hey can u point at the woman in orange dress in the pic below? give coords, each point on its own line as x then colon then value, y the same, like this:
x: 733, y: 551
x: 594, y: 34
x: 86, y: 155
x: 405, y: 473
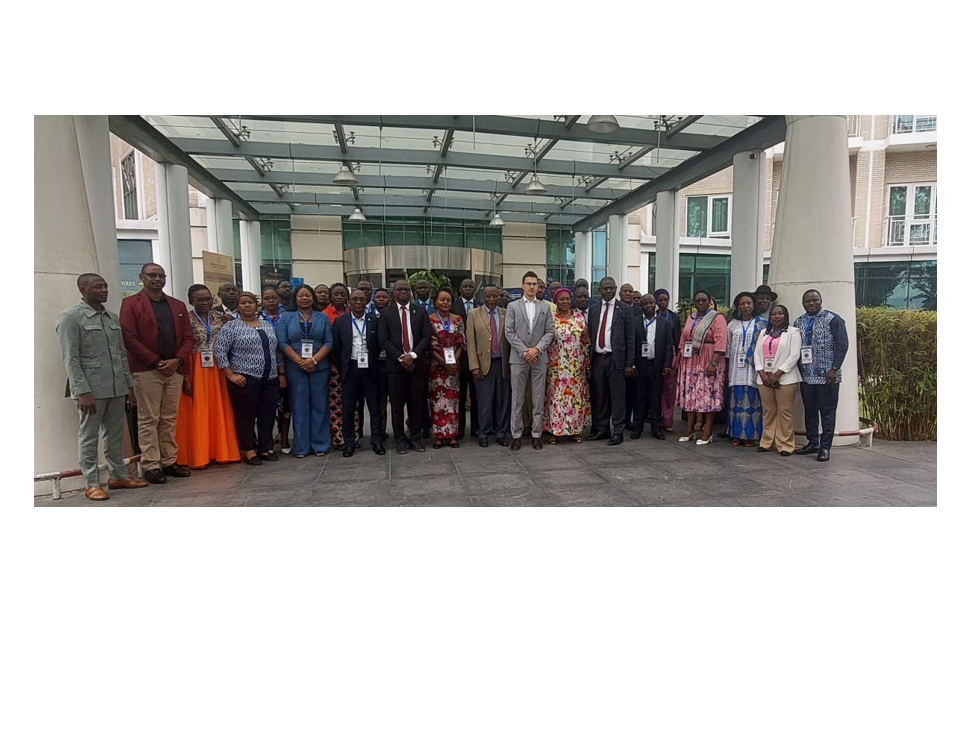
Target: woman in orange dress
x: 205, y: 421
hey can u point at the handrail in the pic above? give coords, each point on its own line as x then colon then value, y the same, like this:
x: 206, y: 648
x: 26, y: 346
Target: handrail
x: 57, y: 476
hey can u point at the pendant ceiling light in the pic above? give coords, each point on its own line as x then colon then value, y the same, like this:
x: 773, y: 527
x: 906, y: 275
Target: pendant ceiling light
x: 497, y: 221
x: 602, y: 124
x: 345, y: 177
x: 356, y: 216
x: 535, y: 187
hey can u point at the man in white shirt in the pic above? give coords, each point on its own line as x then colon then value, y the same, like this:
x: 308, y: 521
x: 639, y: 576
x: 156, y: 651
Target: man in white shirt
x: 228, y: 294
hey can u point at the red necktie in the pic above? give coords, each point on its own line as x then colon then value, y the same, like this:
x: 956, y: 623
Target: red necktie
x: 494, y: 340
x: 405, y: 343
x: 604, y: 321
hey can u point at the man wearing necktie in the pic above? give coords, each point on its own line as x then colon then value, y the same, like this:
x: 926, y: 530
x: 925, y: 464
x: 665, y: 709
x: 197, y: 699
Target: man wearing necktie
x: 612, y: 360
x: 463, y: 305
x: 488, y: 357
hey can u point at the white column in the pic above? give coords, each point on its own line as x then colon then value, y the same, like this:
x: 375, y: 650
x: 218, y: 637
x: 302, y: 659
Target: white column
x: 220, y: 231
x: 617, y: 246
x: 64, y: 247
x: 96, y: 160
x: 250, y: 256
x: 813, y: 239
x: 667, y: 245
x: 173, y: 211
x: 747, y: 222
x: 582, y: 256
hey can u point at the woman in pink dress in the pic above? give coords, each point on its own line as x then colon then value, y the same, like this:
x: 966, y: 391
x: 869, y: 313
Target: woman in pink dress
x: 567, y: 407
x: 702, y: 347
x: 447, y: 343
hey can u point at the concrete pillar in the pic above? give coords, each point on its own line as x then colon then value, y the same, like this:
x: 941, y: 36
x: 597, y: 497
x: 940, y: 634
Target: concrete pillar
x: 250, y: 256
x: 617, y: 248
x: 64, y: 247
x: 582, y: 256
x: 667, y: 245
x: 220, y: 231
x: 96, y: 159
x: 813, y: 239
x: 747, y: 229
x: 173, y: 212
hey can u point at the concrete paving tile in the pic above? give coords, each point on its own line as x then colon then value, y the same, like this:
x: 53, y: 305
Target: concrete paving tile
x: 530, y: 497
x: 580, y: 477
x: 367, y: 494
x: 435, y: 501
x: 657, y: 494
x: 499, y: 462
x: 627, y: 473
x: 477, y: 485
x: 410, y: 487
x: 734, y: 487
x: 593, y: 496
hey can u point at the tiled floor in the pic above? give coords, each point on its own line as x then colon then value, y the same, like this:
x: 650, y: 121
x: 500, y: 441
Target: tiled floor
x: 643, y: 472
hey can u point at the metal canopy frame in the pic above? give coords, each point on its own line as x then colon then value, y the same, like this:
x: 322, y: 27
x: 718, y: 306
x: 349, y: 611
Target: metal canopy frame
x: 468, y: 168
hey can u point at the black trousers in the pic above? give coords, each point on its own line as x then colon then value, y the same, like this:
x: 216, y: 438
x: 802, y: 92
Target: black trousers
x: 631, y: 399
x: 649, y: 383
x: 495, y: 402
x: 381, y: 380
x: 360, y: 386
x: 466, y: 388
x: 410, y: 389
x: 255, y: 402
x: 821, y: 402
x: 608, y: 396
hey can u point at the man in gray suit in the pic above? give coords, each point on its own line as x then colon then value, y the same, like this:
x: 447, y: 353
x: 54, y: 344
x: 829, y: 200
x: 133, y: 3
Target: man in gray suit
x: 529, y: 328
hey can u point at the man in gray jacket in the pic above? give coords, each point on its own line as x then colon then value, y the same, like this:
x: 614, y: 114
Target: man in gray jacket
x: 99, y: 379
x: 529, y: 327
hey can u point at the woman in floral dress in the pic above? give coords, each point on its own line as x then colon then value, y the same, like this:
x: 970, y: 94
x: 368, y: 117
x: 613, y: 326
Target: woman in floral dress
x: 702, y: 368
x: 447, y: 343
x: 567, y: 407
x: 339, y: 296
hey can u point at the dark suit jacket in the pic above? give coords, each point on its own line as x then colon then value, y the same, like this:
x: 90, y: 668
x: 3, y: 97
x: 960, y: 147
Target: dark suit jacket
x: 389, y: 334
x: 622, y: 333
x: 665, y: 343
x: 458, y: 307
x: 141, y: 336
x: 343, y: 343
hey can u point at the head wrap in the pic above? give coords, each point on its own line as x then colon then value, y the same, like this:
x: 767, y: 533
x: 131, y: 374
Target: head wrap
x: 561, y: 290
x: 660, y: 291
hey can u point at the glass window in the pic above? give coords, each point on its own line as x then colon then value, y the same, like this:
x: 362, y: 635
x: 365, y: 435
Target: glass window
x: 708, y: 213
x: 906, y: 123
x: 560, y: 254
x: 696, y: 217
x: 132, y: 256
x: 276, y: 241
x: 915, y: 228
x: 130, y: 201
x: 704, y: 271
x: 599, y: 256
x: 718, y: 220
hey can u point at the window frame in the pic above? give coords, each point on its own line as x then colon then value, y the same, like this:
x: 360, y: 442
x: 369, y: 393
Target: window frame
x: 910, y: 219
x: 710, y: 233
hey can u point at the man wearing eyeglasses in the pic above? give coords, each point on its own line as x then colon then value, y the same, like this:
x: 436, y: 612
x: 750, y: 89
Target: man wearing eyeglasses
x: 159, y: 340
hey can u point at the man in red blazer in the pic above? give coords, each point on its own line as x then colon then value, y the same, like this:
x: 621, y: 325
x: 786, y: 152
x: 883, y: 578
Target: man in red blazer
x: 159, y: 342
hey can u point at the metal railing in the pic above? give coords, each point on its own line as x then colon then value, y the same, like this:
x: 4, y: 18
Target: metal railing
x: 911, y: 230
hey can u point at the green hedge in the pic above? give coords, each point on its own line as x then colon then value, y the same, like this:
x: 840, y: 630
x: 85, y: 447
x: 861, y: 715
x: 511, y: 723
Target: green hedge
x: 897, y: 356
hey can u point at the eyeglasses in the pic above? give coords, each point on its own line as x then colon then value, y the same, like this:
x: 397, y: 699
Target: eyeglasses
x: 154, y: 276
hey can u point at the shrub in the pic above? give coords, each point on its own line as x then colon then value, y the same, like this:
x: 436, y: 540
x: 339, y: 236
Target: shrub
x: 897, y: 357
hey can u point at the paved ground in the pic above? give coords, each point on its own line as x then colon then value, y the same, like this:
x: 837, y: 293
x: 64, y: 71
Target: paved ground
x: 643, y: 473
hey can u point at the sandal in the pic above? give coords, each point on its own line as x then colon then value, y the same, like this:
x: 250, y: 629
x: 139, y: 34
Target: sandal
x: 750, y: 444
x: 320, y: 453
x: 576, y: 438
x: 552, y: 440
x: 437, y: 445
x: 736, y: 442
x: 453, y: 444
x: 300, y: 456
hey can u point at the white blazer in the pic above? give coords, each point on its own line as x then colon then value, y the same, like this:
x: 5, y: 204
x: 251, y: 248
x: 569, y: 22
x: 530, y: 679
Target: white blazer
x: 786, y: 358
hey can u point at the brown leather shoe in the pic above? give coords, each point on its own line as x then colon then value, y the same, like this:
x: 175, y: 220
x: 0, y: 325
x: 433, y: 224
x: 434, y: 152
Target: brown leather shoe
x: 127, y: 483
x: 96, y: 494
x: 516, y: 445
x: 537, y: 444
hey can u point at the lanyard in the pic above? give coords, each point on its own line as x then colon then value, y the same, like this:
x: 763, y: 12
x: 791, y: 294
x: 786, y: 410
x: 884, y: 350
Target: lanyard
x: 305, y: 325
x: 361, y: 329
x: 770, y: 340
x: 664, y: 316
x: 448, y: 325
x: 649, y: 324
x: 273, y: 320
x: 808, y: 329
x: 205, y: 324
x: 743, y: 333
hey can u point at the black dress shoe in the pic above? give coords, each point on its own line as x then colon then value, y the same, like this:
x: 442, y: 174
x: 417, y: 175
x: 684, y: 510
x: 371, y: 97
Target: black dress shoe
x: 502, y: 441
x: 270, y: 456
x: 537, y: 444
x: 785, y: 453
x: 403, y: 447
x: 417, y: 446
x: 379, y: 449
x: 484, y: 442
x: 347, y: 453
x: 516, y: 445
x: 154, y: 476
x: 823, y: 455
x: 764, y: 451
x: 596, y: 437
x: 659, y: 435
x: 616, y: 439
x: 174, y: 470
x: 809, y: 449
x: 636, y: 435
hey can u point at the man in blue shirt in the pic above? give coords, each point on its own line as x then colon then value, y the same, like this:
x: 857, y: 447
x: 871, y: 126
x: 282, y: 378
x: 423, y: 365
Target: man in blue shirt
x: 422, y: 293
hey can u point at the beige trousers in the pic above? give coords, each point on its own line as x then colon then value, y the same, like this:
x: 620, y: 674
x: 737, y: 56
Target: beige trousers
x: 157, y: 402
x: 779, y: 417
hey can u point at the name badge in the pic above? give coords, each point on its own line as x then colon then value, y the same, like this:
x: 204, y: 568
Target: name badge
x: 646, y: 351
x: 305, y: 349
x: 806, y: 356
x: 449, y: 355
x: 206, y: 359
x: 769, y: 364
x: 741, y: 361
x: 688, y: 349
x: 363, y: 360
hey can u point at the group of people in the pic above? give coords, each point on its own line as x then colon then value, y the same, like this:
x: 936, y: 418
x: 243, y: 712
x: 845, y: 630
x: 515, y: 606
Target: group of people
x: 211, y: 383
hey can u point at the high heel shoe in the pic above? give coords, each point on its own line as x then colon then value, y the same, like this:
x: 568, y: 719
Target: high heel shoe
x: 683, y: 439
x: 701, y: 442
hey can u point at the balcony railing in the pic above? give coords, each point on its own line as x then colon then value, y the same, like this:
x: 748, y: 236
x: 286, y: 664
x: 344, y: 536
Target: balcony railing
x: 853, y: 125
x: 909, y: 123
x: 911, y: 230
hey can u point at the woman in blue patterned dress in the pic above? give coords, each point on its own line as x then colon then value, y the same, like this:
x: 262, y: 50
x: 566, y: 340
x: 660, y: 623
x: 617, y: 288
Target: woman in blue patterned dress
x: 744, y: 418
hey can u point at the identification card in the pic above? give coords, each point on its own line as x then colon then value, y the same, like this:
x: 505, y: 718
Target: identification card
x: 769, y: 364
x: 306, y: 349
x: 363, y: 360
x: 741, y: 361
x: 449, y: 355
x: 206, y: 358
x: 688, y: 349
x: 806, y: 356
x: 646, y: 351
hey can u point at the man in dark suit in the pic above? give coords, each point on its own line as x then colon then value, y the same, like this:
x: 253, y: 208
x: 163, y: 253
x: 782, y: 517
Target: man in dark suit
x: 405, y: 334
x: 464, y: 304
x: 355, y: 340
x: 612, y: 360
x: 654, y: 346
